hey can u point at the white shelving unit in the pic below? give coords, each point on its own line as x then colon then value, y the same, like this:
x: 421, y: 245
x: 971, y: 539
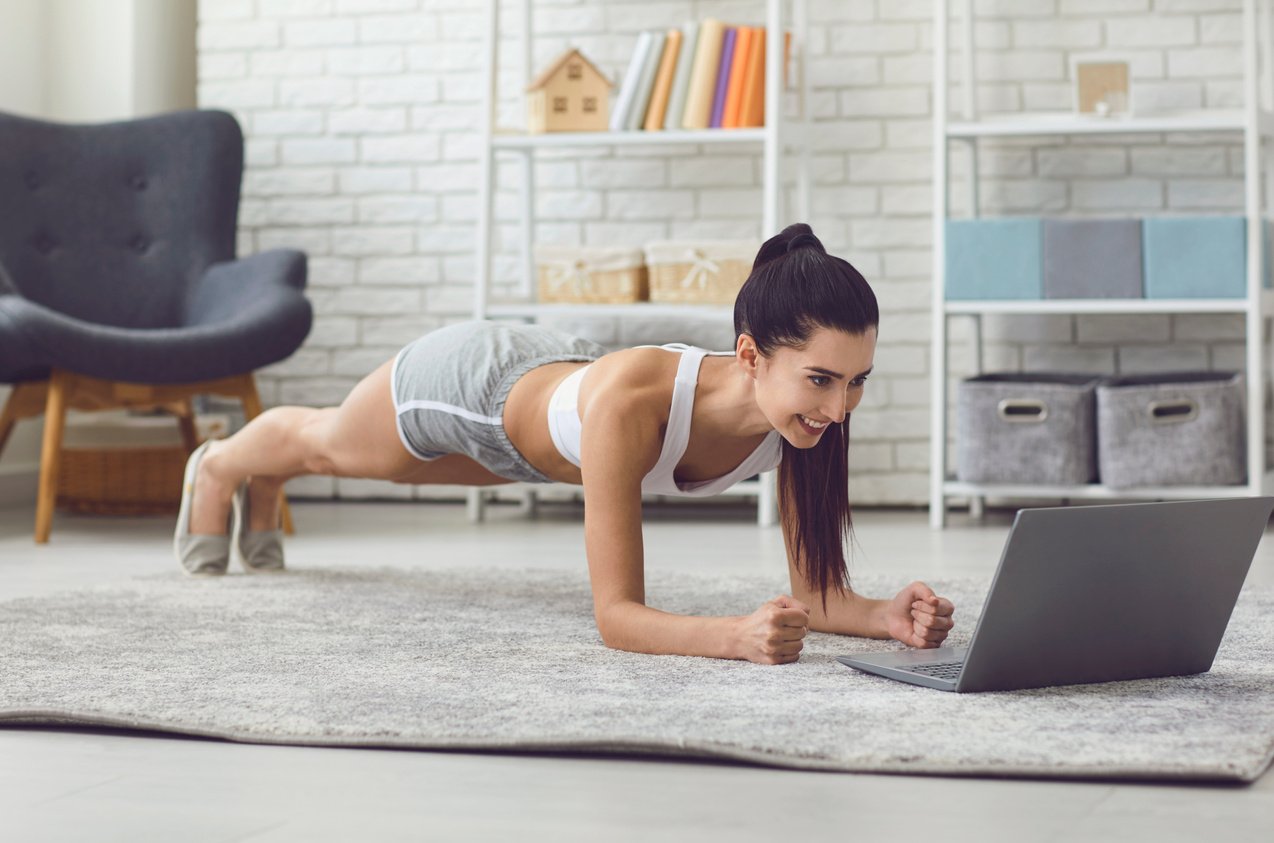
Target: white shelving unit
x: 772, y: 139
x: 1254, y: 122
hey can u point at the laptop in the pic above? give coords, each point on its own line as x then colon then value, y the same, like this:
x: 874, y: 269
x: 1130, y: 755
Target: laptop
x: 1098, y: 594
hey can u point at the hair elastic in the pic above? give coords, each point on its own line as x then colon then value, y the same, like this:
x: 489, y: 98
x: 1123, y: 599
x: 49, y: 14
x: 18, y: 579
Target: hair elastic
x: 804, y: 239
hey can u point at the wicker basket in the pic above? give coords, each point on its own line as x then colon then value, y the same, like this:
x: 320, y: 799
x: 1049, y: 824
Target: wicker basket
x: 702, y: 272
x: 121, y: 481
x: 116, y: 462
x: 590, y: 274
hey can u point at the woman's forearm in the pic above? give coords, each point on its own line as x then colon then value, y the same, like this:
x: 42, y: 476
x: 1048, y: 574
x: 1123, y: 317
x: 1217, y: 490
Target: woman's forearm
x: 641, y: 629
x: 849, y: 614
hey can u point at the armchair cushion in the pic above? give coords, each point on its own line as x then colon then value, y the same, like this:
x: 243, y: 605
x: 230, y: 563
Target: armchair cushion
x: 241, y: 315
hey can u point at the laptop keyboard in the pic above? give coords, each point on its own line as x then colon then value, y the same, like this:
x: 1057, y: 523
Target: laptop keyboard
x: 941, y: 670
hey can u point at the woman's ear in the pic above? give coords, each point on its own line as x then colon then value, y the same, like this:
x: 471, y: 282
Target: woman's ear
x: 747, y: 355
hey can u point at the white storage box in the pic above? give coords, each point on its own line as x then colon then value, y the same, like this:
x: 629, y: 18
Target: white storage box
x: 699, y: 271
x: 591, y: 274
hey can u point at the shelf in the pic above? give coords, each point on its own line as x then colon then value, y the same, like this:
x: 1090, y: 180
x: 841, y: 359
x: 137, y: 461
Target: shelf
x: 640, y: 309
x: 1065, y: 123
x: 1248, y: 124
x: 1096, y: 491
x: 559, y: 140
x: 1070, y: 306
x: 771, y: 142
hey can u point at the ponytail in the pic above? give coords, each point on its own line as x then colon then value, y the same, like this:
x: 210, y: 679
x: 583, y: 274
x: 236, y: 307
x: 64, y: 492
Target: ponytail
x: 796, y: 287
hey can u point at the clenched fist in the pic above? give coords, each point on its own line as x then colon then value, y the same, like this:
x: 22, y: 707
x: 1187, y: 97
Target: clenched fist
x: 774, y: 633
x: 919, y: 618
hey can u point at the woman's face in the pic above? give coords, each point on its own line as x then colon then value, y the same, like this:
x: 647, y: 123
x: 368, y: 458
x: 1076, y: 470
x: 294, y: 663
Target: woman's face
x: 803, y: 391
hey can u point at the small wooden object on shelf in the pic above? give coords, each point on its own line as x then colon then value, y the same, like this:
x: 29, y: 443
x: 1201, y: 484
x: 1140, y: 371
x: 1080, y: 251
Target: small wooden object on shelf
x: 1102, y: 88
x: 571, y: 95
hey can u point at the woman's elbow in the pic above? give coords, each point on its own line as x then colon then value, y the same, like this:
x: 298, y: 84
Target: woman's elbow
x: 611, y: 625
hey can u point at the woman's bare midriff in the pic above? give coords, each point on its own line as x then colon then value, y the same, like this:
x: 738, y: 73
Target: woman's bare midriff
x: 526, y: 420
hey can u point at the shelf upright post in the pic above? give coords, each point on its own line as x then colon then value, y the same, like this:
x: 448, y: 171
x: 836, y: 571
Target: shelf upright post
x: 475, y: 498
x: 1267, y: 50
x: 486, y: 166
x: 527, y: 221
x: 970, y: 110
x: 773, y: 118
x: 800, y: 33
x: 938, y: 347
x: 1252, y: 202
x: 767, y: 500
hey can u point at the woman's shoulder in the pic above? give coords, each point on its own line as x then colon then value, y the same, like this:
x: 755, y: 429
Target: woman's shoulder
x: 640, y: 377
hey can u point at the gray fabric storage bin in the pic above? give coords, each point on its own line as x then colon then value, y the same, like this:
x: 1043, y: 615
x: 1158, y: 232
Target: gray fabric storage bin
x: 1180, y: 428
x: 1092, y: 259
x: 1035, y: 427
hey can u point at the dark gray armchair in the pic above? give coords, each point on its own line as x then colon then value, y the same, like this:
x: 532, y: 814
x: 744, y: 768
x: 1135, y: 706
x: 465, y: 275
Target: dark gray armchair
x: 119, y: 284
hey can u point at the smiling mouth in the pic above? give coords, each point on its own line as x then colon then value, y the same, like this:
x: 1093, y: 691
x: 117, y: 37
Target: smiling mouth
x: 809, y: 428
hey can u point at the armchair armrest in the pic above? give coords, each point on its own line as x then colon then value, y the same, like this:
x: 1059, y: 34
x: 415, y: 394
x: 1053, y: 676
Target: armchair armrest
x: 227, y: 290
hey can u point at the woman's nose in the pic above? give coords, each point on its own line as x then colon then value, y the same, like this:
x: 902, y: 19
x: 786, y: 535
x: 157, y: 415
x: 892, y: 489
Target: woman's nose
x: 839, y: 409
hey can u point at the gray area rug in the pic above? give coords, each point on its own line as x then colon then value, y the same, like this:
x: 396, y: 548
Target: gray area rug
x: 490, y: 659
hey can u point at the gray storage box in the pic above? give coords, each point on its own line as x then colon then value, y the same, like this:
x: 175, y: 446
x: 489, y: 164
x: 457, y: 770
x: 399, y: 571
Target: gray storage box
x: 1092, y: 259
x: 1182, y: 428
x: 1035, y: 428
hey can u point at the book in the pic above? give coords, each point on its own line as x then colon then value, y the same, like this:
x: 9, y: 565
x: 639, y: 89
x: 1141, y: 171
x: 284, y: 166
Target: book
x: 703, y: 78
x: 752, y: 112
x: 738, y: 78
x: 628, y: 88
x: 646, y: 81
x: 723, y: 76
x: 681, y: 80
x: 658, y: 108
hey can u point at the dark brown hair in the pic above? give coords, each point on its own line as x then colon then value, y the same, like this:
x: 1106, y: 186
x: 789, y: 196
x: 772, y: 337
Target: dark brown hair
x: 796, y: 287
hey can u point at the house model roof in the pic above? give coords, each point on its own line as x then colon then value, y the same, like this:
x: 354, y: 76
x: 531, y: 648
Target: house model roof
x: 557, y: 65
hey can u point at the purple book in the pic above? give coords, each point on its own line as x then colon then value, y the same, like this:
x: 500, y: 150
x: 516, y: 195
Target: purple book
x: 723, y: 77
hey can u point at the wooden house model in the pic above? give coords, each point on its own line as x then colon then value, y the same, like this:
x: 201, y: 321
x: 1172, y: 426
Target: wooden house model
x: 571, y: 95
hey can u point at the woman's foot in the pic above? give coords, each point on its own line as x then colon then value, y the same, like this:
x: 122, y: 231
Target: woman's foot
x: 204, y: 553
x: 210, y: 508
x: 263, y: 505
x: 258, y: 540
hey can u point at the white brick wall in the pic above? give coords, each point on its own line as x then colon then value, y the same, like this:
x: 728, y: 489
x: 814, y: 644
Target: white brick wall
x: 361, y: 118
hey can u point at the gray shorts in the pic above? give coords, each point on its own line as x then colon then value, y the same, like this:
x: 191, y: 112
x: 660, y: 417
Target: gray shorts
x: 449, y: 389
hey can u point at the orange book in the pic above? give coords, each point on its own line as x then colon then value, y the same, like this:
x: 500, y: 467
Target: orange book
x: 738, y: 75
x: 663, y: 82
x: 752, y: 112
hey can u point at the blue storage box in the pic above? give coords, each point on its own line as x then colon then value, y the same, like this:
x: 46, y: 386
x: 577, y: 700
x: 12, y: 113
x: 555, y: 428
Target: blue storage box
x: 995, y: 259
x: 1195, y: 257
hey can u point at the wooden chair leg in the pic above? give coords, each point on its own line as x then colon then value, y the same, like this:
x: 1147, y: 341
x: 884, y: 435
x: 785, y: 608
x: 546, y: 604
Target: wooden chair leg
x: 186, y: 421
x: 60, y: 385
x: 26, y: 401
x: 251, y: 401
x: 8, y: 420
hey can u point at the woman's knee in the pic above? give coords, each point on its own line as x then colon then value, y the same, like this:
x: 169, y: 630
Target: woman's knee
x: 319, y: 445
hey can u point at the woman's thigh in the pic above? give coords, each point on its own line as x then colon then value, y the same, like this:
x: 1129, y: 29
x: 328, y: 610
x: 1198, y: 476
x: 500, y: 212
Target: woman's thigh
x: 360, y: 439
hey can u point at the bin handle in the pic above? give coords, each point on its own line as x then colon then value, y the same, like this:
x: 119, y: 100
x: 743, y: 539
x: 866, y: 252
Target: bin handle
x: 1022, y: 410
x: 1173, y: 411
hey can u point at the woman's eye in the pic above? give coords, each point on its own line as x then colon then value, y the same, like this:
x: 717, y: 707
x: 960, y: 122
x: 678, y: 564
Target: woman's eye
x: 816, y: 378
x: 859, y: 381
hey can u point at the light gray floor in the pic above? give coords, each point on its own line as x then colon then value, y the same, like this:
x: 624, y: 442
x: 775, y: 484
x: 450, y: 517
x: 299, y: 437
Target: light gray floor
x: 99, y: 785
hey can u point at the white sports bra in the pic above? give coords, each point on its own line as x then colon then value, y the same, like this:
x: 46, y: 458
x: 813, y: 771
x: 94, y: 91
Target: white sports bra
x: 564, y: 427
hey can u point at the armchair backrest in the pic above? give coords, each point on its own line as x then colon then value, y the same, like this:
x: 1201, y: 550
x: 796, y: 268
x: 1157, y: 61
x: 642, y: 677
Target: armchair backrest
x: 112, y: 223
